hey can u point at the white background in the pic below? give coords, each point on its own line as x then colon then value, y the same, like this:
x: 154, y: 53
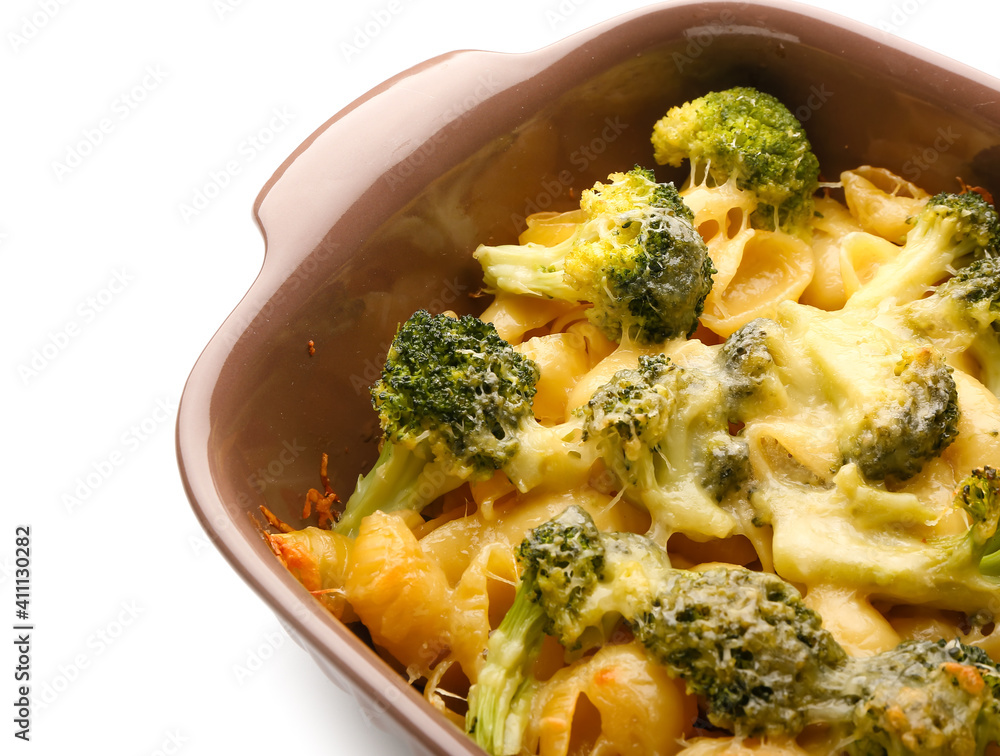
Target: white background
x: 115, y: 116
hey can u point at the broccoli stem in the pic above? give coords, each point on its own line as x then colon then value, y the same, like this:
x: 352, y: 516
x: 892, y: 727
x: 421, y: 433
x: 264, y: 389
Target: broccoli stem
x: 400, y: 479
x: 499, y: 702
x: 929, y: 251
x: 990, y: 563
x: 532, y: 269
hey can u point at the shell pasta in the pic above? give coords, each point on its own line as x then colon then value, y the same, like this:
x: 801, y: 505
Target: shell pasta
x: 810, y: 418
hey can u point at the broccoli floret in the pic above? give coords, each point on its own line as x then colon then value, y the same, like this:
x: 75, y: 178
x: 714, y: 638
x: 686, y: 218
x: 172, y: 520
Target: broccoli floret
x: 962, y: 316
x: 923, y: 697
x: 894, y: 403
x: 749, y: 360
x: 565, y: 564
x: 749, y: 137
x: 636, y: 258
x: 560, y: 561
x: 454, y: 402
x: 949, y: 229
x: 763, y: 664
x: 746, y: 643
x: 979, y: 496
x: 914, y: 420
x: 663, y: 431
x: 975, y: 291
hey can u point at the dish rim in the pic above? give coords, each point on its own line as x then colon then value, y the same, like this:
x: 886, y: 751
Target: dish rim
x: 333, y: 645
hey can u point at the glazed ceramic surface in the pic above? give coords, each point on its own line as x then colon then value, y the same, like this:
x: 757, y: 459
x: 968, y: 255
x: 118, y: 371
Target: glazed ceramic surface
x: 376, y: 215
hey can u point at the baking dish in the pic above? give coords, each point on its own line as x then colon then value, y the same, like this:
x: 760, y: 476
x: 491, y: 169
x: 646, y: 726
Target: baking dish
x: 376, y: 214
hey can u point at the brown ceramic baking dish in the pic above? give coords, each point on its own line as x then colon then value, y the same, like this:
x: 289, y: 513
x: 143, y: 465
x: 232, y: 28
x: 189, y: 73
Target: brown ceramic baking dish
x: 376, y: 214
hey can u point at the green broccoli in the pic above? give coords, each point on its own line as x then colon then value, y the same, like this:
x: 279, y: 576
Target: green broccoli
x: 962, y: 316
x: 454, y: 402
x: 893, y: 405
x: 564, y: 562
x: 745, y: 643
x: 749, y: 137
x: 762, y: 664
x: 923, y: 697
x: 663, y: 430
x: 979, y: 496
x: 973, y: 292
x: 759, y: 660
x: 636, y: 258
x: 751, y: 357
x: 949, y: 230
x: 913, y: 418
